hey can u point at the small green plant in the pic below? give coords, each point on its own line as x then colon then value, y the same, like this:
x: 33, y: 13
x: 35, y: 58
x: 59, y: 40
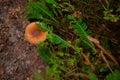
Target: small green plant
x: 67, y: 59
x: 109, y: 16
x: 42, y: 11
x: 113, y: 76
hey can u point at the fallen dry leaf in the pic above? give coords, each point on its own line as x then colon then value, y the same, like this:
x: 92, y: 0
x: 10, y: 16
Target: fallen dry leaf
x: 93, y: 40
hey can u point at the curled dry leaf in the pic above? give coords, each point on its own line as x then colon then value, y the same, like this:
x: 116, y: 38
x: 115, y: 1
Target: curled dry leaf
x: 77, y: 14
x: 93, y: 40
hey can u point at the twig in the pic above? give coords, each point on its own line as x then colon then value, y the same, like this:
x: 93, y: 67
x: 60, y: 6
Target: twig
x: 96, y: 42
x: 107, y: 2
x: 106, y: 61
x: 108, y: 54
x: 103, y: 5
x: 88, y: 61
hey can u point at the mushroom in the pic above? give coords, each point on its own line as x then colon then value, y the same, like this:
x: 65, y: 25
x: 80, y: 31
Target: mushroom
x: 34, y: 35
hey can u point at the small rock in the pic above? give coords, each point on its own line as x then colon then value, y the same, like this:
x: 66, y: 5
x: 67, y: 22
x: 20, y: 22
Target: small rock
x: 13, y: 39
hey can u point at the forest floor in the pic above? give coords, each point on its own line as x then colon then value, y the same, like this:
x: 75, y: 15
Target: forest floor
x: 18, y: 59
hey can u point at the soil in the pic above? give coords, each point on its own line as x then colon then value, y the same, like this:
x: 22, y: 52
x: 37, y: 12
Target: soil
x: 19, y: 59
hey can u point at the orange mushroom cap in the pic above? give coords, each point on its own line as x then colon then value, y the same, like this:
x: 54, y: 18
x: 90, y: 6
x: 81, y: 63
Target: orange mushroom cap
x: 34, y: 35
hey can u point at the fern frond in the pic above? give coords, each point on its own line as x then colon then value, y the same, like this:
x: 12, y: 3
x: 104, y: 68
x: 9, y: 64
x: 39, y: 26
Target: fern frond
x: 40, y: 10
x: 80, y: 27
x: 53, y: 38
x: 44, y: 27
x: 51, y: 2
x: 33, y: 14
x: 44, y: 53
x: 40, y: 7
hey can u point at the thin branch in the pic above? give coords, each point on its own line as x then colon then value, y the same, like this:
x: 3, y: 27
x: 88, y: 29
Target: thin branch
x: 104, y: 58
x: 96, y: 42
x: 103, y: 5
x: 107, y: 2
x: 108, y: 54
x: 88, y: 61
